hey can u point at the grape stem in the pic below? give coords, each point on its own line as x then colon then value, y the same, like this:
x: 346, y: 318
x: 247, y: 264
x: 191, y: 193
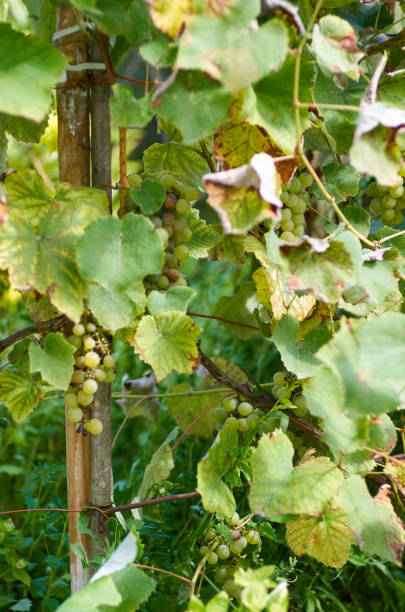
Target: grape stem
x: 162, y: 571
x: 51, y: 325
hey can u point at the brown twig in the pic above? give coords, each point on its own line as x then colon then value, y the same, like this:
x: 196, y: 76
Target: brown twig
x: 195, y: 314
x: 162, y: 571
x: 44, y: 326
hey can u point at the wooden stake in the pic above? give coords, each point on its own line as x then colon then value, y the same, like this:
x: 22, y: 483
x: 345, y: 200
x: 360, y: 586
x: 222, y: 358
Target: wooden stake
x: 74, y: 167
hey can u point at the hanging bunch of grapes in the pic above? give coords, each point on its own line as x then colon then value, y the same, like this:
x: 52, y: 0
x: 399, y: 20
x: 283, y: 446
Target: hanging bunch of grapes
x: 94, y: 364
x: 296, y: 199
x: 171, y: 225
x: 389, y: 202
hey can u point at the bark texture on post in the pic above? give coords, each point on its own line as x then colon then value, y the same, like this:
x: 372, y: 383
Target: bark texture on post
x: 74, y: 167
x: 101, y: 475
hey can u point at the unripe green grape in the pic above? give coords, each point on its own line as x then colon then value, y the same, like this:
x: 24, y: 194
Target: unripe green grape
x: 294, y: 185
x: 306, y: 180
x: 232, y: 588
x: 219, y: 413
x: 75, y: 341
x: 84, y: 398
x: 252, y: 420
x: 77, y: 377
x: 396, y: 192
x: 74, y: 415
x: 238, y: 546
x: 79, y: 361
x: 245, y: 408
x: 372, y: 189
x: 242, y: 425
x: 94, y: 426
x: 286, y: 214
x: 89, y: 342
x: 381, y: 188
x: 91, y: 327
x: 281, y: 392
x: 230, y: 403
x: 181, y: 252
x: 109, y: 377
x: 300, y: 401
x: 163, y: 235
x: 171, y: 260
x: 90, y: 386
x: 252, y: 536
x: 109, y: 361
x: 285, y: 197
x: 91, y: 359
x: 388, y: 202
x: 388, y: 215
x: 279, y: 378
x: 376, y: 205
x: 298, y: 219
x: 179, y: 225
x: 134, y: 180
x: 181, y: 282
x: 100, y: 374
x: 232, y: 422
x: 287, y: 237
x: 187, y: 234
x: 182, y: 206
x: 223, y: 551
x: 177, y: 238
x: 191, y: 194
x: 163, y: 282
x: 210, y: 533
x: 299, y: 230
x: 287, y: 226
x: 398, y: 218
x: 157, y: 221
x: 221, y: 575
x: 234, y: 519
x: 204, y: 550
x: 300, y: 206
x: 78, y: 329
x: 168, y: 181
x: 71, y: 400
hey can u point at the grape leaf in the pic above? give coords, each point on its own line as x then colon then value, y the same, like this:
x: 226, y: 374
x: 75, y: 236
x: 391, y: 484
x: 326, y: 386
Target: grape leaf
x: 341, y: 180
x: 278, y: 488
x: 204, y: 237
x: 269, y: 104
x: 255, y: 584
x: 170, y: 16
x: 128, y: 111
x: 24, y: 129
x: 193, y: 90
x: 167, y: 342
x: 215, y: 495
x: 215, y: 45
x: 149, y: 197
x: 334, y: 43
x: 27, y: 74
x: 55, y: 361
x: 118, y: 253
x: 20, y: 392
x: 115, y: 310
x: 376, y: 527
x: 185, y: 409
x: 239, y: 308
x: 370, y: 361
x: 323, y: 270
x: 183, y: 162
x: 175, y: 298
x: 159, y: 467
x: 327, y: 537
x: 125, y: 590
x: 298, y: 357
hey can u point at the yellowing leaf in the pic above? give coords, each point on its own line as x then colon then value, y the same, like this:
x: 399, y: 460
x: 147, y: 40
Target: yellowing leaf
x: 170, y: 15
x: 327, y: 538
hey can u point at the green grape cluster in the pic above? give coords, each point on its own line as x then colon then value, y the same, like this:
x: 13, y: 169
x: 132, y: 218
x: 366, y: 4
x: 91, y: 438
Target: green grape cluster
x: 295, y: 198
x: 171, y: 225
x: 93, y: 364
x: 389, y: 202
x: 225, y: 555
x: 238, y: 415
x: 281, y: 388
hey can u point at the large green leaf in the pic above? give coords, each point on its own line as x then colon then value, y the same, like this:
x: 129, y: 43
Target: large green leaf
x: 20, y: 392
x: 334, y: 44
x: 215, y: 495
x: 255, y: 585
x: 326, y: 537
x: 278, y: 488
x: 55, y: 361
x: 115, y: 310
x: 298, y: 357
x: 341, y: 180
x: 158, y: 468
x: 27, y: 74
x: 185, y: 409
x: 194, y: 91
x: 124, y: 590
x: 370, y: 362
x: 270, y: 104
x: 149, y: 197
x: 204, y: 237
x: 167, y: 342
x: 374, y: 524
x: 240, y: 308
x: 118, y: 253
x: 323, y: 269
x: 183, y: 162
x: 175, y: 298
x: 216, y: 45
x: 128, y: 111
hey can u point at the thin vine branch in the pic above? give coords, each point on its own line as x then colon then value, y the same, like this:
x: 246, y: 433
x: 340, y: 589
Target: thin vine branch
x: 195, y: 314
x: 162, y: 571
x: 45, y: 326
